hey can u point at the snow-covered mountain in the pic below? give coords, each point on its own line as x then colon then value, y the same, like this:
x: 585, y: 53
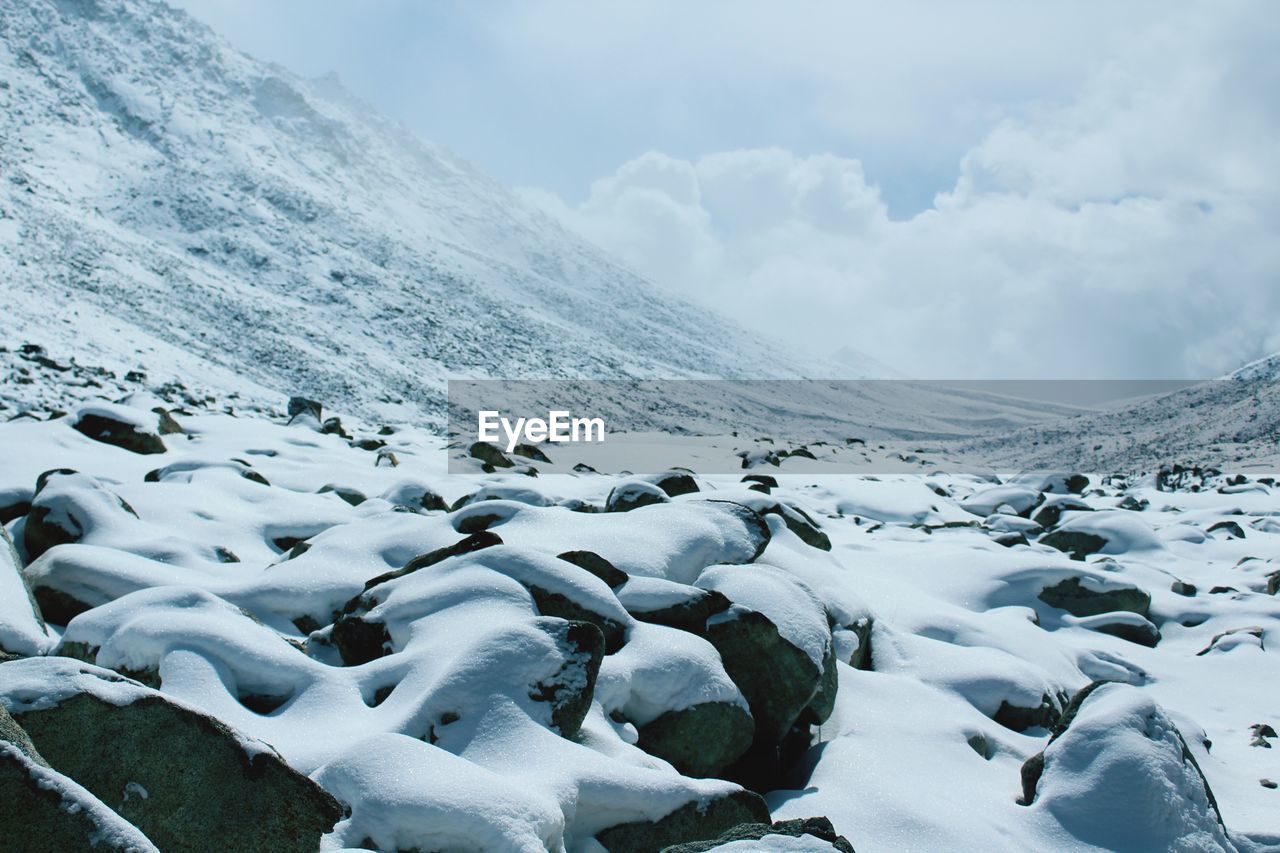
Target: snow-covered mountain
x: 171, y: 203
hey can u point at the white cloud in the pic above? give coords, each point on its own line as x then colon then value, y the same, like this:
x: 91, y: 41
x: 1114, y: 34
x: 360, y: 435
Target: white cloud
x: 1129, y: 230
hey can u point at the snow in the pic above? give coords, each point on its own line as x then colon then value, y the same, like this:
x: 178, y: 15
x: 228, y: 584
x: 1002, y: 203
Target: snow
x: 1118, y: 779
x: 21, y: 631
x: 221, y: 223
x: 405, y: 794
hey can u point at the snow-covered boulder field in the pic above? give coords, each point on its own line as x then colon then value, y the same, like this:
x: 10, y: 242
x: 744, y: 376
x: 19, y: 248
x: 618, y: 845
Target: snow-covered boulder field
x: 271, y: 631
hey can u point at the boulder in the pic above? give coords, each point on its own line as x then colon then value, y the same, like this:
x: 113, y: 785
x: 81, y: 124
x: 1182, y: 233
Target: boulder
x: 1231, y: 528
x: 15, y: 502
x: 596, y: 565
x: 674, y: 483
x: 302, y: 406
x: 675, y: 605
x: 702, y: 740
x: 67, y: 506
x: 45, y: 812
x: 22, y: 627
x: 122, y: 427
x: 634, y: 494
x: 694, y: 821
x: 1050, y: 512
x: 531, y: 451
x: 1076, y: 543
x: 816, y: 828
x: 570, y: 690
x: 1086, y: 596
x: 180, y: 776
x: 490, y: 454
x: 1019, y: 719
x: 354, y: 497
x: 1118, y: 775
x: 1127, y: 626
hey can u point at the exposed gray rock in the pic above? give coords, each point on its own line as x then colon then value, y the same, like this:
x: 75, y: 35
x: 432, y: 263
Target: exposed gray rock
x: 702, y: 740
x: 201, y: 780
x: 67, y: 506
x: 633, y: 495
x: 306, y: 407
x: 45, y: 812
x: 1080, y: 600
x: 570, y: 690
x: 691, y: 822
x: 1074, y: 542
x: 819, y: 828
x: 108, y: 430
x: 490, y: 455
x: 596, y: 565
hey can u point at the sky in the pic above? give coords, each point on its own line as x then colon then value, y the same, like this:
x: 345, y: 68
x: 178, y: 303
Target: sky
x: 989, y: 189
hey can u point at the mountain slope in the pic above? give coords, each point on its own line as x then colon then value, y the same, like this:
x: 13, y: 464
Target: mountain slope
x: 230, y: 219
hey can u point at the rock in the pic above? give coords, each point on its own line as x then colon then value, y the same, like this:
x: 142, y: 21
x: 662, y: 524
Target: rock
x: 633, y: 495
x: 333, y: 426
x: 985, y: 502
x: 859, y: 647
x: 22, y: 626
x: 490, y: 455
x: 45, y: 812
x: 819, y: 828
x: 596, y: 565
x: 1126, y: 626
x: 674, y: 483
x: 570, y: 690
x: 531, y: 451
x: 1093, y: 597
x: 780, y: 675
x: 1133, y: 504
x: 473, y: 542
x: 763, y: 479
x: 15, y: 502
x: 1183, y: 588
x: 561, y: 606
x: 195, y: 779
x: 798, y: 522
x: 1116, y: 752
x: 415, y: 496
x: 1053, y: 482
x: 1251, y: 635
x: 693, y: 821
x: 354, y: 497
x: 1010, y: 540
x: 301, y: 406
x: 67, y: 506
x: 1076, y: 543
x: 122, y: 427
x: 662, y: 602
x: 360, y: 639
x: 1019, y: 719
x: 699, y: 741
x: 777, y: 691
x: 1232, y: 528
x: 14, y: 735
x: 1050, y: 512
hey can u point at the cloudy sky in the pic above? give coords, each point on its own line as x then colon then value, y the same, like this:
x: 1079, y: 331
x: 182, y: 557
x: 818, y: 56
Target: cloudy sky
x: 995, y: 189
